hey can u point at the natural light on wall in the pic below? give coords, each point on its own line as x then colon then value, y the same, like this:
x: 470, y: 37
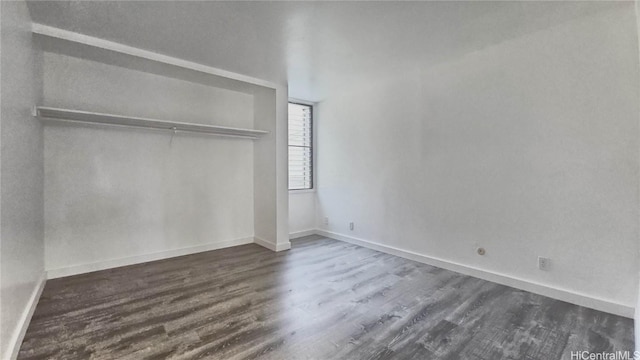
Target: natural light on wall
x: 300, y: 147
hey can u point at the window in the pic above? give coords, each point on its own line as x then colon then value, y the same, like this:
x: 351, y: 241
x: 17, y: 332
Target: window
x: 300, y: 146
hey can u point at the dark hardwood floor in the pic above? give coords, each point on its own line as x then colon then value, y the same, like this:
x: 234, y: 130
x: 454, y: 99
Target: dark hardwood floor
x: 324, y: 299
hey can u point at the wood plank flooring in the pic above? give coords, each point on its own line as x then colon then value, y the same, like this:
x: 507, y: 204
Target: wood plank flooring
x: 323, y: 299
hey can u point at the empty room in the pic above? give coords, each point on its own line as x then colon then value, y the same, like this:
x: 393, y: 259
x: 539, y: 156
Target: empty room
x: 319, y: 180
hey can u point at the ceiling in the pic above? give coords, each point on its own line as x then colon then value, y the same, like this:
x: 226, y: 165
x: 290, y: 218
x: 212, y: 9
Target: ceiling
x: 313, y: 46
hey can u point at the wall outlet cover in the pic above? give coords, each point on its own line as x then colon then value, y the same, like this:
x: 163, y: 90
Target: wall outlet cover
x: 544, y: 263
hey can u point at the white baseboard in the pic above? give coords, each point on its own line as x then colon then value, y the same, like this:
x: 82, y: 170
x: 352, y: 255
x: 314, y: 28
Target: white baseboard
x: 23, y: 323
x: 271, y: 245
x: 138, y: 259
x: 581, y: 299
x: 299, y: 234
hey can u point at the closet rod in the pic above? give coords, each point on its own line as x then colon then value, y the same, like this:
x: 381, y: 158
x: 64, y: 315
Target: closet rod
x: 79, y: 116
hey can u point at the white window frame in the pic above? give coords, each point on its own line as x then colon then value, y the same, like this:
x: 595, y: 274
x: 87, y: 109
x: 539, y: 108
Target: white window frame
x: 314, y: 166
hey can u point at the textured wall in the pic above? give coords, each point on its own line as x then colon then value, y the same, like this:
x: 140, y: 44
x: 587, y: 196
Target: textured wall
x: 21, y: 234
x: 112, y: 193
x: 528, y: 148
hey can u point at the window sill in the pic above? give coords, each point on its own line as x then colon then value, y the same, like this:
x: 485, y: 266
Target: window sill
x: 305, y: 191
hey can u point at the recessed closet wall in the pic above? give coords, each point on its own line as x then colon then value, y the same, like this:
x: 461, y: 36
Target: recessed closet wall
x: 120, y: 195
x: 119, y: 192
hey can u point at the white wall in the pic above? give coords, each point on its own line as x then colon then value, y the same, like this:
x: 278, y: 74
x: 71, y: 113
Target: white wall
x: 21, y: 235
x: 637, y: 312
x: 528, y: 148
x: 265, y: 169
x: 271, y: 169
x: 113, y: 193
x: 302, y: 212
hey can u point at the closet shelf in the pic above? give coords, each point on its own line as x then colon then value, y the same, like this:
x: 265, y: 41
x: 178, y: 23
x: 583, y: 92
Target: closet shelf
x: 50, y: 113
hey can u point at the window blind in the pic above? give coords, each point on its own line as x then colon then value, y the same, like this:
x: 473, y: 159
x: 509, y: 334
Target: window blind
x: 300, y: 146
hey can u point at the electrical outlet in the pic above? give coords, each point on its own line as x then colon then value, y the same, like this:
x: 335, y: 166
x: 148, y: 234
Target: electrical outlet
x: 351, y: 226
x: 326, y: 221
x: 544, y: 263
